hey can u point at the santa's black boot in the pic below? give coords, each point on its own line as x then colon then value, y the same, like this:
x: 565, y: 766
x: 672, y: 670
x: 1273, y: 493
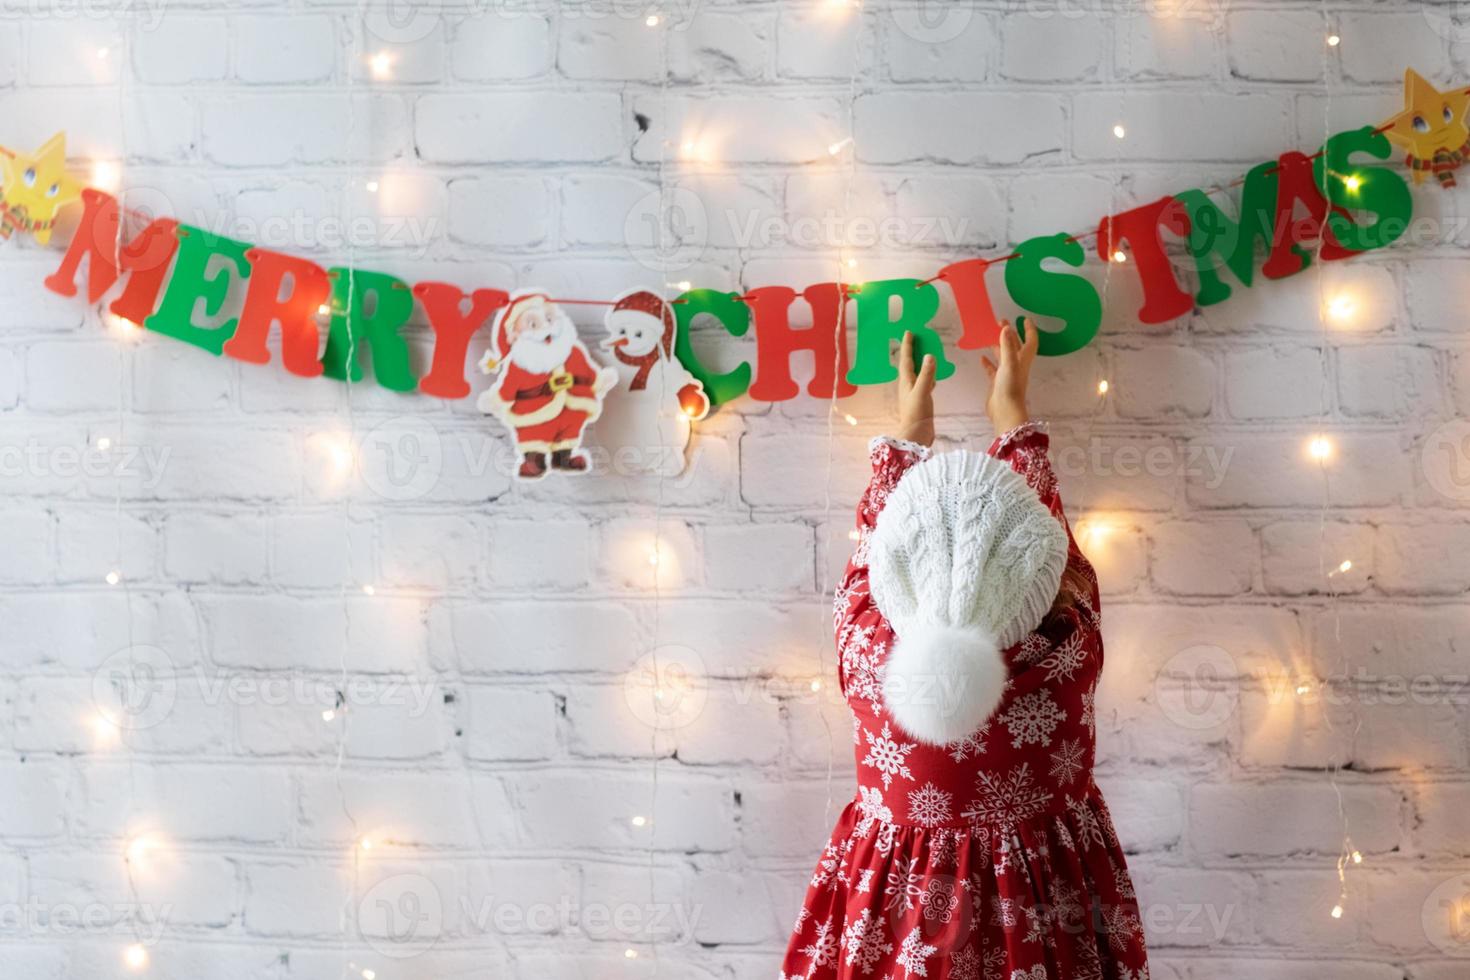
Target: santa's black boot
x: 565, y: 459
x: 533, y: 466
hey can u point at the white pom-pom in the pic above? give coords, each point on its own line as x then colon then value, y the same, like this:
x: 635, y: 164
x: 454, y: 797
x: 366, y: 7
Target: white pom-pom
x: 942, y: 682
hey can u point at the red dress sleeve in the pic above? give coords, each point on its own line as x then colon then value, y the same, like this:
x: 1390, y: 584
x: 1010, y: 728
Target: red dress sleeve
x: 891, y: 459
x: 1024, y: 448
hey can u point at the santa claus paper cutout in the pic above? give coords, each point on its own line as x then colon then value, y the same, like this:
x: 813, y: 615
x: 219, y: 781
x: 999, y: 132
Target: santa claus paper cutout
x: 547, y: 388
x: 645, y: 427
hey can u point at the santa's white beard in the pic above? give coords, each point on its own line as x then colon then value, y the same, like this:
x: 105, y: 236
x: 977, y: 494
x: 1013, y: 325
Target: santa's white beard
x: 542, y: 356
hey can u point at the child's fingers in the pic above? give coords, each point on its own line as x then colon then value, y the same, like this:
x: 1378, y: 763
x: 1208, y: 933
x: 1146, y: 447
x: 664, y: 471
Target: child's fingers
x: 989, y: 366
x: 926, y: 372
x: 906, y: 361
x: 1032, y: 342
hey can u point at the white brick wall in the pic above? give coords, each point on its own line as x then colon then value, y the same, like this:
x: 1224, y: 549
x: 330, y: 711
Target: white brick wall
x: 455, y: 670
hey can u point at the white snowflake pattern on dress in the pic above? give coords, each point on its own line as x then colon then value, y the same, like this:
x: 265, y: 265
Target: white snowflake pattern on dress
x: 905, y: 885
x: 972, y: 744
x: 863, y: 940
x: 913, y: 954
x: 1032, y: 718
x: 1066, y: 761
x: 929, y: 805
x: 1007, y: 800
x: 888, y: 756
x: 1037, y: 972
x: 823, y: 948
x: 1065, y: 660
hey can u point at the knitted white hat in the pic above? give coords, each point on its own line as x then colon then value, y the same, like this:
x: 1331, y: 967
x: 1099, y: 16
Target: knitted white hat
x: 965, y: 561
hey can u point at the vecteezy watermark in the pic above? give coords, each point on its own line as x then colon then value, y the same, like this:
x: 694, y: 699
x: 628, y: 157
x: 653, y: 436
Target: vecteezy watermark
x: 1445, y: 459
x: 37, y: 460
x: 832, y: 229
x: 138, y: 687
x: 410, y: 232
x: 667, y: 230
x: 1100, y: 457
x: 146, y: 15
x: 1446, y: 916
x: 140, y: 922
x: 667, y: 688
x: 407, y: 458
x: 401, y: 916
x: 662, y: 922
x: 1195, y: 688
x: 933, y: 21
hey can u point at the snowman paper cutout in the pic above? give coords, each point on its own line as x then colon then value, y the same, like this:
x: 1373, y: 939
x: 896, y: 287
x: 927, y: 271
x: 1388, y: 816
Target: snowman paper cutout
x: 645, y: 422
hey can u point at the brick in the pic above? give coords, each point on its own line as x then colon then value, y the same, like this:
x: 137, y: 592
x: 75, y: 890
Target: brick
x: 75, y: 51
x: 181, y: 49
x: 203, y: 803
x: 70, y: 377
x: 644, y: 555
x: 961, y: 45
x: 455, y: 128
x: 1440, y: 808
x: 1277, y: 471
x: 1160, y: 382
x: 34, y: 801
x: 261, y: 130
x: 215, y: 548
x: 904, y: 128
x: 510, y: 724
x: 520, y: 636
x: 1195, y: 558
x: 812, y: 43
x: 1276, y: 383
x: 400, y: 809
x: 1276, y: 45
x: 1389, y: 382
x: 1229, y: 820
x: 1421, y: 559
x: 176, y: 378
x: 431, y: 551
x: 1050, y: 48
x: 490, y: 46
x: 1170, y: 45
x: 506, y: 212
x: 561, y: 547
x: 1375, y: 48
x: 1181, y: 125
x: 759, y: 557
x: 1304, y: 557
x: 593, y: 810
x: 284, y: 49
x: 296, y: 899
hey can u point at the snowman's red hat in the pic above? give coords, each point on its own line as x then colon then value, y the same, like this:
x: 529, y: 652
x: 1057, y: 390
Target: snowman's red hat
x: 647, y: 303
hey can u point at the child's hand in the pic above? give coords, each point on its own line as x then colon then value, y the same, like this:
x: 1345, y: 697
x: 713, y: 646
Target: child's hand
x: 1006, y: 405
x: 915, y: 395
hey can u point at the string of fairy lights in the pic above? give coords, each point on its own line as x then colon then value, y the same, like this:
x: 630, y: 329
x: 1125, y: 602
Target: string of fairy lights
x: 141, y: 849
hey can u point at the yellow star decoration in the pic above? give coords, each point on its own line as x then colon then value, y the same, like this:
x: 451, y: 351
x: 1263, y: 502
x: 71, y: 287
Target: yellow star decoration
x: 1432, y: 127
x: 33, y: 187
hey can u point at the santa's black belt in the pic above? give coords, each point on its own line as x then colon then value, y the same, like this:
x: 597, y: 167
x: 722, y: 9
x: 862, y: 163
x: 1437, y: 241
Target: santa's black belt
x: 547, y: 389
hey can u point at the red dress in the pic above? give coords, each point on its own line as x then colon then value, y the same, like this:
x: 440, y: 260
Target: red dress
x: 991, y: 858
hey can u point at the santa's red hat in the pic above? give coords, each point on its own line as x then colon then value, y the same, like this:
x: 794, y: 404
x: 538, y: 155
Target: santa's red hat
x: 650, y: 304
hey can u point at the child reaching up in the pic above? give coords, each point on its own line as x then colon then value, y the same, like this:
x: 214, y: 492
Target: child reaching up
x: 978, y: 847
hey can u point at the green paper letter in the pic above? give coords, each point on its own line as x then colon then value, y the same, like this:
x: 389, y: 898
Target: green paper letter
x: 1374, y: 189
x: 192, y: 283
x: 393, y: 305
x: 734, y: 316
x: 871, y: 364
x: 1059, y: 294
x: 1212, y: 234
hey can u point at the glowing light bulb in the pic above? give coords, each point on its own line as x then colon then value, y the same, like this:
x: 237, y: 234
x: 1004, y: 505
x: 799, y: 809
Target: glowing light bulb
x: 653, y: 557
x: 1120, y: 256
x: 135, y: 958
x: 1357, y: 857
x: 839, y: 146
x: 105, y: 175
x: 1119, y: 131
x: 1333, y: 40
x: 1319, y: 448
x: 102, y: 53
x: 1303, y: 689
x: 852, y: 263
x: 366, y: 843
x: 1341, y: 308
x: 853, y: 535
x: 1352, y: 183
x: 381, y: 64
x: 323, y: 310
x: 372, y: 186
x: 1346, y: 566
x: 685, y: 285
x: 104, y: 443
x: 631, y: 954
x: 369, y: 590
x: 851, y: 419
x: 816, y: 685
x: 369, y: 975
x: 1102, y: 387
x: 329, y: 715
x: 652, y: 20
x: 113, y: 577
x: 639, y: 821
x: 140, y: 850
x: 105, y: 732
x: 1337, y: 911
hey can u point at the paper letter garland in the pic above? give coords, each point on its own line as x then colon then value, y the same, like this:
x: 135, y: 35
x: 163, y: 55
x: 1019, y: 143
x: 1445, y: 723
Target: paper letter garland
x: 1292, y: 209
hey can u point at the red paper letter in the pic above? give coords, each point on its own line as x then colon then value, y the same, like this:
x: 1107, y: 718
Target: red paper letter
x: 1140, y: 228
x: 972, y: 297
x: 1297, y: 182
x: 452, y: 332
x: 310, y: 288
x: 145, y: 258
x: 775, y: 342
